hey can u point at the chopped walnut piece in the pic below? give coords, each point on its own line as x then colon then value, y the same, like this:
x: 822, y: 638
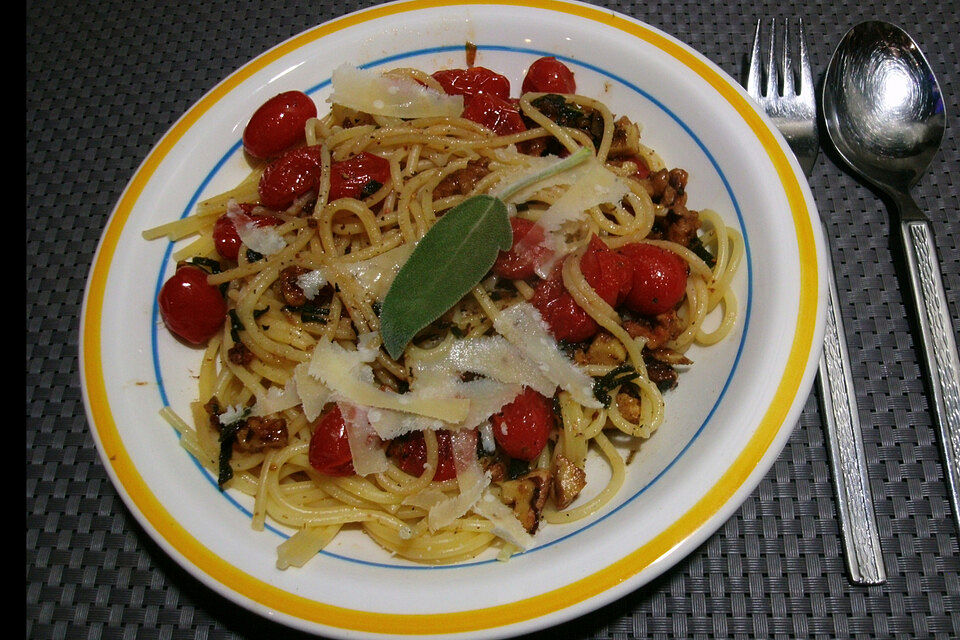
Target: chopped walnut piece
x: 568, y: 481
x: 462, y: 181
x: 289, y: 289
x: 239, y: 354
x: 658, y: 330
x: 264, y: 432
x: 604, y: 349
x: 527, y: 495
x: 628, y: 406
x: 495, y: 465
x: 626, y: 139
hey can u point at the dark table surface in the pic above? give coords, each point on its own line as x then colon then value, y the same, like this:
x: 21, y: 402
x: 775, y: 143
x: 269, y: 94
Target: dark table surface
x: 105, y: 80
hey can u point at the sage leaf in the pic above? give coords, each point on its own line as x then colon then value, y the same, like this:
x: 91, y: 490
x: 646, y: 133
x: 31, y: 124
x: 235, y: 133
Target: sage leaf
x: 448, y: 261
x: 451, y: 258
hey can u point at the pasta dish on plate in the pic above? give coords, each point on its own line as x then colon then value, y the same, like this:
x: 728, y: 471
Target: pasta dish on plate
x: 426, y: 308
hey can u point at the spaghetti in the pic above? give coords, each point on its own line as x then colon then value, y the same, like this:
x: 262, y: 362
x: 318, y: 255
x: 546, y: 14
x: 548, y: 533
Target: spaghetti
x: 437, y: 469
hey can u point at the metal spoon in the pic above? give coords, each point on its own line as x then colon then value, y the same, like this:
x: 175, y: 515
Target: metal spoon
x: 884, y: 113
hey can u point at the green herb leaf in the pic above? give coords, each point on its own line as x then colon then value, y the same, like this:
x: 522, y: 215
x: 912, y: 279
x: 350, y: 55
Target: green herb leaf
x: 447, y: 262
x: 451, y: 258
x: 603, y: 385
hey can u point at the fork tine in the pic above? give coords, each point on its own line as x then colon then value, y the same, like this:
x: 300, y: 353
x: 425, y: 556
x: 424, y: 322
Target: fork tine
x: 772, y: 80
x: 753, y: 73
x: 786, y: 63
x: 806, y: 75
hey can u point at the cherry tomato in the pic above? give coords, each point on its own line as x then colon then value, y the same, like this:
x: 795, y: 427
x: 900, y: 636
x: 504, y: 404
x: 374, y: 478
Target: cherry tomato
x: 410, y: 453
x: 349, y: 177
x: 522, y: 427
x: 499, y: 115
x: 549, y: 75
x: 290, y: 176
x: 473, y: 81
x: 567, y: 320
x: 329, y: 448
x: 519, y: 263
x: 192, y: 308
x: 278, y: 124
x: 659, y: 278
x: 225, y: 236
x: 609, y: 273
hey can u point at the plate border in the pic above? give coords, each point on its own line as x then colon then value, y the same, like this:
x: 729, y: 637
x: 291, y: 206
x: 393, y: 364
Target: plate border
x: 179, y: 543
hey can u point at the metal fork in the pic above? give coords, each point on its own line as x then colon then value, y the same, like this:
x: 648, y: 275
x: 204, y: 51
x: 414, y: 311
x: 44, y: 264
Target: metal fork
x: 793, y: 111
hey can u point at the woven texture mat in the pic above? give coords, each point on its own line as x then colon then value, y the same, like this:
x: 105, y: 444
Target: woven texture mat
x: 105, y: 80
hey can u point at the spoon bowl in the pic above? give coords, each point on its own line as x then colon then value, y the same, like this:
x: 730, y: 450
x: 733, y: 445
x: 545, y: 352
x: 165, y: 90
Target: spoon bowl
x: 884, y: 114
x: 882, y: 105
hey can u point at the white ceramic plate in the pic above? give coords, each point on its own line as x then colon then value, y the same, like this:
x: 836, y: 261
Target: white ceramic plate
x: 726, y: 422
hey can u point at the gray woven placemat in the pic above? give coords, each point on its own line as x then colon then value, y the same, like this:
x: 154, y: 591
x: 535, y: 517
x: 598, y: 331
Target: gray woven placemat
x: 105, y: 80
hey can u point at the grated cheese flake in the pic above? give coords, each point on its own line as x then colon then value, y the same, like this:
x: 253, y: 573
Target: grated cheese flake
x: 390, y: 95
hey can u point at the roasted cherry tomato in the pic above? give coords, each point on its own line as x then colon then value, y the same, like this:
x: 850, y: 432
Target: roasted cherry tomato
x: 352, y: 177
x: 278, y: 124
x: 227, y: 240
x: 549, y: 75
x: 191, y: 307
x: 473, y: 81
x: 608, y: 272
x: 410, y: 453
x: 659, y: 278
x: 520, y: 263
x: 499, y: 115
x: 567, y: 320
x: 523, y: 427
x: 290, y: 176
x: 329, y: 448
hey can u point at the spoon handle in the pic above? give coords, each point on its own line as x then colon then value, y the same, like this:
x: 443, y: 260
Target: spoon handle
x: 848, y: 463
x: 939, y: 345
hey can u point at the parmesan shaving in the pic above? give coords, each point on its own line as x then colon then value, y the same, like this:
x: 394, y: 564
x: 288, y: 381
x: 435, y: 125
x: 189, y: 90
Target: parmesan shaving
x: 311, y: 282
x: 523, y: 326
x: 366, y: 448
x: 493, y: 357
x: 276, y: 399
x: 594, y: 185
x: 505, y: 523
x: 394, y: 96
x: 486, y: 397
x: 264, y: 240
x: 314, y: 395
x: 471, y: 479
x: 376, y: 274
x: 349, y: 375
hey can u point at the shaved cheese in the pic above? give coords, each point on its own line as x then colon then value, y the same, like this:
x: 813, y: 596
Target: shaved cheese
x: 376, y: 274
x: 531, y: 166
x: 366, y: 448
x: 232, y: 414
x: 426, y: 499
x: 314, y: 395
x: 385, y: 95
x: 487, y: 440
x: 311, y: 282
x: 493, y: 357
x: 486, y: 397
x: 348, y: 374
x: 264, y: 240
x: 505, y: 523
x: 523, y: 326
x: 276, y: 399
x: 471, y: 479
x: 594, y: 185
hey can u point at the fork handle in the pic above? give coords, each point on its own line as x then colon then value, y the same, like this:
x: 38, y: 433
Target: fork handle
x: 848, y: 463
x: 939, y: 347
